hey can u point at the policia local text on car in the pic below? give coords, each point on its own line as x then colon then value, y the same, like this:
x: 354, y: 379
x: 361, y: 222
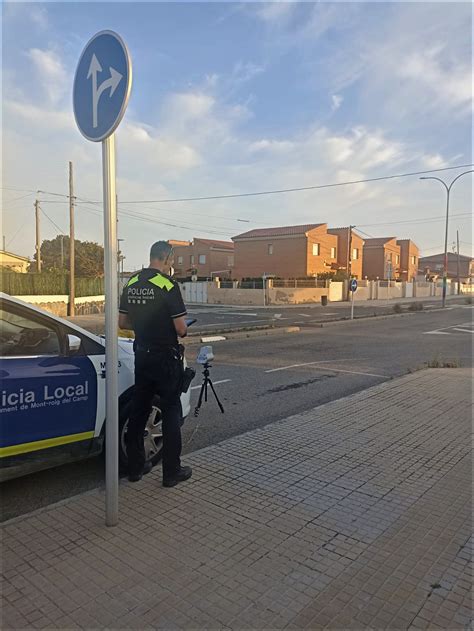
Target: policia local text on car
x: 151, y: 305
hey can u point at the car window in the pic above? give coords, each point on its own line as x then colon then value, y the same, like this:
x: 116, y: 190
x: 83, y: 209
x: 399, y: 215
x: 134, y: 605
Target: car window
x: 22, y: 335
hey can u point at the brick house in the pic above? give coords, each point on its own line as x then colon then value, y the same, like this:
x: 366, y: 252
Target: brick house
x: 207, y: 258
x: 409, y: 257
x: 357, y: 245
x: 286, y: 252
x: 381, y: 258
x: 433, y: 266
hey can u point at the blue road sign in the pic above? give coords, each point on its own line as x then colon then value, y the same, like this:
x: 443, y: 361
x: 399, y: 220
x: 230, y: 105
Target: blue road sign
x: 353, y: 285
x: 102, y: 86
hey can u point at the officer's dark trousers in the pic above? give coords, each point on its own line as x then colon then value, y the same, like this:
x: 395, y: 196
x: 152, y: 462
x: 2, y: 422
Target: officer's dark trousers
x: 156, y: 373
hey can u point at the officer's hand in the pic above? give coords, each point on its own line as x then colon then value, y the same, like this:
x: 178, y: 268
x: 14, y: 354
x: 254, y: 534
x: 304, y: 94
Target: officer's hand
x: 180, y: 326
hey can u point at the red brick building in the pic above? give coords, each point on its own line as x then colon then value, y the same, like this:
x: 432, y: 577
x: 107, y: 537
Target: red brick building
x: 205, y: 258
x: 286, y: 252
x: 409, y: 259
x: 344, y: 235
x: 381, y: 259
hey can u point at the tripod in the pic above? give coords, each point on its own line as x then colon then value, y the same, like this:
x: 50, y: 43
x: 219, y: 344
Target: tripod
x: 207, y: 381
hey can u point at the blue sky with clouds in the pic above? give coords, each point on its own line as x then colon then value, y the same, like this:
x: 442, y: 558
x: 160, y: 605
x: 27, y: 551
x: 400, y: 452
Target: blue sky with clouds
x: 232, y: 97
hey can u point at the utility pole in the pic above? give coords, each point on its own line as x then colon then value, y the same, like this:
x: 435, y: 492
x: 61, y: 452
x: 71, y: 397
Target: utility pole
x: 459, y: 278
x: 38, y: 239
x: 349, y: 259
x: 4, y: 244
x: 72, y: 289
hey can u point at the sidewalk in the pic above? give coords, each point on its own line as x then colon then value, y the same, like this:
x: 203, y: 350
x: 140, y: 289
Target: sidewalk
x: 353, y: 515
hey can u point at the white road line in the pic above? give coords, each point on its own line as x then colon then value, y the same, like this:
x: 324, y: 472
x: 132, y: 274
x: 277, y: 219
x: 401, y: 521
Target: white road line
x: 435, y: 333
x: 238, y: 313
x: 216, y: 383
x: 445, y: 330
x: 304, y: 315
x: 352, y: 372
x: 236, y: 322
x: 463, y: 330
x: 322, y: 361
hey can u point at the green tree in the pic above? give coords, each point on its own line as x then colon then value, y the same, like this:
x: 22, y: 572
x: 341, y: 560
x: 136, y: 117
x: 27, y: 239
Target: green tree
x: 89, y: 257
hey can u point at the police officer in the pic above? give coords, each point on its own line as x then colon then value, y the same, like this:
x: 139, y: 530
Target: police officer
x: 151, y: 305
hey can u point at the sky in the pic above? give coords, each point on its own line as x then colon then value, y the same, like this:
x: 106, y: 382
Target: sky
x: 232, y: 98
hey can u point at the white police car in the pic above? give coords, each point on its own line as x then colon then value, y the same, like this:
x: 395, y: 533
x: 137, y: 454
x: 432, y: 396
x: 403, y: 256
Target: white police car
x: 52, y: 394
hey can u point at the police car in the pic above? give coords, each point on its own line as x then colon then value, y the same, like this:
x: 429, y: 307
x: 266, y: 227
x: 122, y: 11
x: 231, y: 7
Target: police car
x: 52, y: 394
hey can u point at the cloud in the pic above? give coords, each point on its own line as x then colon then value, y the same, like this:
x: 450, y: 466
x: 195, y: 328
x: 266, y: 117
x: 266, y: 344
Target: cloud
x: 444, y: 84
x: 52, y: 74
x: 272, y: 12
x: 337, y: 100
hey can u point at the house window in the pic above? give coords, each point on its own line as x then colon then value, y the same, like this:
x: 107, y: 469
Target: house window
x: 230, y: 261
x: 202, y: 259
x: 192, y: 259
x: 315, y: 249
x: 397, y: 258
x: 180, y: 260
x: 355, y: 254
x: 390, y: 257
x: 333, y: 253
x: 413, y: 260
x: 270, y: 248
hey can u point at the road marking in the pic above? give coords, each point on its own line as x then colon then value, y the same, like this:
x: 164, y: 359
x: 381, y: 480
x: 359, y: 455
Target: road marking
x: 304, y: 315
x: 322, y: 361
x: 445, y: 330
x: 216, y: 383
x: 213, y: 338
x: 236, y: 323
x: 352, y: 372
x: 435, y: 333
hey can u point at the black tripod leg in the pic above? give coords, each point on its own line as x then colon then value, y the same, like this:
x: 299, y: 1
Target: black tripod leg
x: 199, y: 403
x: 217, y: 398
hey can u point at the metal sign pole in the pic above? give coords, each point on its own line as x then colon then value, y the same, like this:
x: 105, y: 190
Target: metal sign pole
x: 352, y: 305
x: 111, y: 333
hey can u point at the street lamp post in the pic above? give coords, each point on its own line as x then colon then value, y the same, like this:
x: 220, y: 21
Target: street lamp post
x: 448, y: 191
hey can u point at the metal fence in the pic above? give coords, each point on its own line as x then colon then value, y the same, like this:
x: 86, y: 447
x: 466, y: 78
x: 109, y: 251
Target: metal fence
x: 301, y: 284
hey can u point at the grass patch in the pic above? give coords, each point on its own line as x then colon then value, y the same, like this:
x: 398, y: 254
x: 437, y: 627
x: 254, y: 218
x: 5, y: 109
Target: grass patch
x: 415, y: 306
x: 397, y: 308
x: 443, y: 363
x: 468, y: 300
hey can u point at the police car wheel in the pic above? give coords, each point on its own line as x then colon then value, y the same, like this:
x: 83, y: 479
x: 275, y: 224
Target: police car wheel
x: 153, y: 437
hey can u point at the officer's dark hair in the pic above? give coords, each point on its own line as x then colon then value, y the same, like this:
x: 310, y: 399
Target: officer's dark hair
x: 160, y: 250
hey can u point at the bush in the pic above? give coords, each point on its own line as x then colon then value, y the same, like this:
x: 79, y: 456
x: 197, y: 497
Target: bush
x: 468, y: 300
x: 397, y: 308
x: 48, y: 283
x: 416, y: 306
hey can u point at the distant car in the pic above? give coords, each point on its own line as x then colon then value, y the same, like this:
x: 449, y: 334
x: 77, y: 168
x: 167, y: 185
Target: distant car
x: 52, y: 396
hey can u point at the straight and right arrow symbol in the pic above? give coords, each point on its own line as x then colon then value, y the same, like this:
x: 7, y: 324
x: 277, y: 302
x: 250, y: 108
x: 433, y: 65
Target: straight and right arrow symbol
x: 112, y: 83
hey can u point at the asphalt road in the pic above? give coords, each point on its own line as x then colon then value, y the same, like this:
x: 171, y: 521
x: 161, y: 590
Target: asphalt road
x: 263, y: 379
x: 212, y: 318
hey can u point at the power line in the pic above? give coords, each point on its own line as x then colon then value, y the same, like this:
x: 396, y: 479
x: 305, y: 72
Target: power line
x: 270, y: 192
x: 16, y: 199
x: 294, y: 190
x: 52, y: 222
x: 414, y: 220
x: 148, y: 218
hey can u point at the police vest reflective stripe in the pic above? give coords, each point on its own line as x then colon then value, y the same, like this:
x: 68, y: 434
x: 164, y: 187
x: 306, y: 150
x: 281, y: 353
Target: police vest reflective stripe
x: 133, y: 280
x: 161, y: 282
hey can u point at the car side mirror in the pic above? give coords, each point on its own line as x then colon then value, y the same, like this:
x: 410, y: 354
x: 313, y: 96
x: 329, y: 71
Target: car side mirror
x: 74, y: 343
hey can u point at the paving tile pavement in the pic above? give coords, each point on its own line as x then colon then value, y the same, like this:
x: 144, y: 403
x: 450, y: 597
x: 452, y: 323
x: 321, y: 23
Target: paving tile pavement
x: 353, y: 515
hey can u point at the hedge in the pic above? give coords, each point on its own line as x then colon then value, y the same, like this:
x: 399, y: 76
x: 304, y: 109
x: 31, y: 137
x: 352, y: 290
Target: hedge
x: 48, y: 284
